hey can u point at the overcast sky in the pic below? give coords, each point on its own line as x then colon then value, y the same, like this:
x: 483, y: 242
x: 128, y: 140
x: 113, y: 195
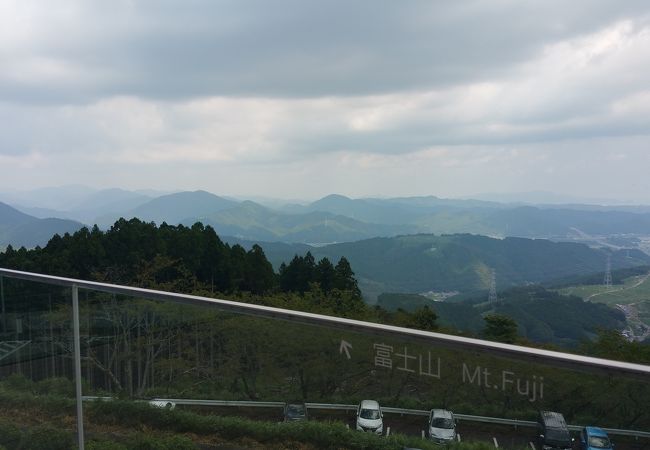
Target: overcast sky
x: 299, y: 99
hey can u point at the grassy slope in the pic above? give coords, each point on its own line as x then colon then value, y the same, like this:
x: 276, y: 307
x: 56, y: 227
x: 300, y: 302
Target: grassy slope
x: 635, y: 291
x: 125, y: 421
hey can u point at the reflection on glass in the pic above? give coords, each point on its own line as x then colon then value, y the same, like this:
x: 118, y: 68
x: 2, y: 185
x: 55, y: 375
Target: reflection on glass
x: 440, y: 422
x: 146, y: 349
x: 151, y: 350
x: 36, y: 365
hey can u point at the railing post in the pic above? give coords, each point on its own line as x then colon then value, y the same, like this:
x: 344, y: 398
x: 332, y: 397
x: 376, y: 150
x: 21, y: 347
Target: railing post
x: 77, y: 365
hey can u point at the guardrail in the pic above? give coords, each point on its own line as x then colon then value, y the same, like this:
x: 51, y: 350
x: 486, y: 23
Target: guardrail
x: 414, y: 412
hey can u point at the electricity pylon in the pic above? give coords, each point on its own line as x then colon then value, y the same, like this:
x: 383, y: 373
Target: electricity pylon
x: 608, y: 272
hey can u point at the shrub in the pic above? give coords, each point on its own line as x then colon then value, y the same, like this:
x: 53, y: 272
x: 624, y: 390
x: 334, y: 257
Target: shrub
x: 148, y: 442
x: 55, y: 386
x: 104, y: 445
x: 18, y: 382
x: 10, y: 435
x: 48, y: 438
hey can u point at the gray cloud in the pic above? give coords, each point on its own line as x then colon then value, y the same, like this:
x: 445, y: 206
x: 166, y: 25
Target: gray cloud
x: 237, y: 95
x: 176, y: 50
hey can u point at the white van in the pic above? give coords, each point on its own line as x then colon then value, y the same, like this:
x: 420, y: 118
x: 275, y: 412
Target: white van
x: 442, y: 426
x: 370, y: 417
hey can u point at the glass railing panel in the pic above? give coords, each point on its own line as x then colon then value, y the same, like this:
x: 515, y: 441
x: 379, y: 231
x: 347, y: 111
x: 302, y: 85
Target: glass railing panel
x: 152, y: 350
x: 37, y: 387
x: 165, y: 353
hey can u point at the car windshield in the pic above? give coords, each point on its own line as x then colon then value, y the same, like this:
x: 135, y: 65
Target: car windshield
x: 442, y: 422
x: 371, y: 414
x: 557, y: 434
x: 599, y: 442
x: 296, y: 410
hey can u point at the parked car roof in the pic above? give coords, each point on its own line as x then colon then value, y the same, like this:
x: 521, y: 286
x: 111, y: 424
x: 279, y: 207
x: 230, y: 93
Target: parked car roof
x: 443, y: 413
x: 369, y: 404
x: 596, y: 431
x: 553, y: 419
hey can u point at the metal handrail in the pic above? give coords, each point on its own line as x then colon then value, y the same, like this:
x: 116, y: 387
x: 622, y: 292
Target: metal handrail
x: 553, y: 358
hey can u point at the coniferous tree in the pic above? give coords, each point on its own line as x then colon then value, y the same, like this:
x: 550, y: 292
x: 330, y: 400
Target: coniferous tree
x: 345, y: 280
x: 260, y: 277
x: 500, y: 328
x: 326, y: 275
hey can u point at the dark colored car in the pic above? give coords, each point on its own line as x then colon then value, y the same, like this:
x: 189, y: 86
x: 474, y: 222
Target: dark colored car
x: 295, y: 411
x: 553, y: 431
x: 594, y: 438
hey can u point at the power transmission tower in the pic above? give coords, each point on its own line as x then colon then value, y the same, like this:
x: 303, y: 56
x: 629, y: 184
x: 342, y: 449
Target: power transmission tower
x: 608, y: 272
x: 492, y: 298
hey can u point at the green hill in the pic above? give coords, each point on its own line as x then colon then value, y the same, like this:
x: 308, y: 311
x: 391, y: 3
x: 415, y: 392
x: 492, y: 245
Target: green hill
x: 542, y: 316
x: 422, y: 263
x: 440, y: 216
x: 179, y: 207
x: 251, y: 221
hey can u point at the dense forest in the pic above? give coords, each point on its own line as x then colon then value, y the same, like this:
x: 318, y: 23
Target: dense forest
x: 194, y: 260
x: 177, y: 258
x: 542, y: 316
x: 460, y: 262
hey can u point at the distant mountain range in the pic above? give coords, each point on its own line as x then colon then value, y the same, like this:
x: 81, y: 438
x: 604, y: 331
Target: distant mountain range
x: 89, y: 208
x: 20, y: 229
x: 336, y: 218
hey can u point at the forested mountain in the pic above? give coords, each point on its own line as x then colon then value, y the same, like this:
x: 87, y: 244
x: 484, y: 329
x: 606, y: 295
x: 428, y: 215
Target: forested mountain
x: 380, y: 212
x: 19, y: 229
x: 254, y: 222
x: 107, y: 202
x: 439, y: 216
x: 179, y: 207
x: 541, y: 315
x: 422, y: 263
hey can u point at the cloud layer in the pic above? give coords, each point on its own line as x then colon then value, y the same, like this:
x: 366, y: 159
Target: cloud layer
x: 302, y: 98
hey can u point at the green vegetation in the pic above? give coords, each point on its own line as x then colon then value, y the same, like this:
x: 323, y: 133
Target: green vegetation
x: 251, y: 221
x: 180, y: 430
x: 175, y: 258
x: 633, y: 291
x: 300, y: 274
x: 15, y: 436
x: 596, y: 279
x: 542, y: 316
x: 500, y: 328
x: 422, y: 263
x: 612, y: 345
x: 631, y: 296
